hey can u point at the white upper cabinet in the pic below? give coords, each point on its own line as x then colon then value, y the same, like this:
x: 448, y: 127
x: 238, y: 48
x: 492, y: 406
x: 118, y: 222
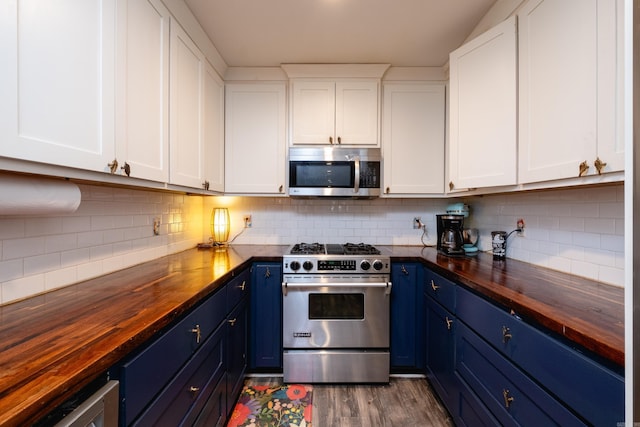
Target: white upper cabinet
x: 483, y: 110
x: 413, y: 138
x: 335, y: 112
x: 213, y: 130
x: 57, y: 82
x: 186, y: 112
x: 255, y: 138
x: 569, y: 89
x: 142, y: 91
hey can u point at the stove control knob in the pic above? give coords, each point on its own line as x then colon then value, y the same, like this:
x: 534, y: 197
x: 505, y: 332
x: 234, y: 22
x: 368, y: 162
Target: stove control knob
x: 365, y: 265
x: 377, y: 265
x: 295, y: 265
x: 308, y: 265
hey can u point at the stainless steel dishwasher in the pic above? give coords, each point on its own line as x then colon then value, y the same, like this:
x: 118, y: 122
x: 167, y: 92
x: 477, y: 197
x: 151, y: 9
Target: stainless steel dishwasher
x: 99, y: 410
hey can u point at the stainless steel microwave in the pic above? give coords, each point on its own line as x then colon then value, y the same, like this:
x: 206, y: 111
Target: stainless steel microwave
x: 334, y: 172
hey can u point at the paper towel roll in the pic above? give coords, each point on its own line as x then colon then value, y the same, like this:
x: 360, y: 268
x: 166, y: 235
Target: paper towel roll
x: 22, y: 195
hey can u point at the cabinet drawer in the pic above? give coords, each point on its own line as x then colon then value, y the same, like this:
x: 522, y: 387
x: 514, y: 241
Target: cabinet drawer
x: 557, y: 367
x: 512, y: 397
x: 440, y: 289
x: 186, y: 395
x: 237, y: 289
x: 148, y: 372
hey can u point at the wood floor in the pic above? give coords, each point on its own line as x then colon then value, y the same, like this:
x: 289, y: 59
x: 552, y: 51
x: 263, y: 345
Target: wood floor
x: 403, y: 402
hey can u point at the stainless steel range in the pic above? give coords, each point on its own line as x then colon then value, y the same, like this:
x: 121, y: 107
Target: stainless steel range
x: 336, y: 314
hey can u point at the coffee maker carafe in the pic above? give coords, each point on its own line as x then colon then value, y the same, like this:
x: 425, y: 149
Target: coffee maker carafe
x: 449, y: 228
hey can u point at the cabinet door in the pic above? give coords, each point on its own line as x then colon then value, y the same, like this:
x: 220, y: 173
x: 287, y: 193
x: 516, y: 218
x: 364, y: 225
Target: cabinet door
x: 266, y: 317
x: 57, y: 82
x: 482, y: 142
x: 406, y: 335
x: 255, y: 138
x: 143, y: 89
x: 213, y: 129
x: 186, y: 110
x: 357, y: 113
x: 440, y: 328
x: 236, y: 352
x: 313, y: 112
x: 413, y: 139
x: 567, y: 87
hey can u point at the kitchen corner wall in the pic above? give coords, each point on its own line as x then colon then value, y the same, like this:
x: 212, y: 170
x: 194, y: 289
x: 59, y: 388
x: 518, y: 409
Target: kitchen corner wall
x: 112, y: 229
x: 578, y: 231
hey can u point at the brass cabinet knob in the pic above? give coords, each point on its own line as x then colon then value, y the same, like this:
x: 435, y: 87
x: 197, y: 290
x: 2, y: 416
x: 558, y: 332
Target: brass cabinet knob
x: 280, y: 189
x: 330, y: 140
x: 205, y: 185
x: 387, y: 190
x: 600, y: 165
x: 451, y: 186
x: 339, y: 140
x: 583, y: 168
x: 126, y: 168
x: 113, y: 166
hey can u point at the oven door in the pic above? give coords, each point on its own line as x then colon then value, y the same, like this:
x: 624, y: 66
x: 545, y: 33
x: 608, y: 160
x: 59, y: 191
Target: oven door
x: 329, y: 314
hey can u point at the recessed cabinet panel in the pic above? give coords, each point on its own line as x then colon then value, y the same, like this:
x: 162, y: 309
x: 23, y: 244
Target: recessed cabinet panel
x: 313, y: 112
x: 57, y: 82
x: 255, y: 138
x: 143, y: 89
x: 413, y: 139
x: 568, y: 89
x: 482, y: 145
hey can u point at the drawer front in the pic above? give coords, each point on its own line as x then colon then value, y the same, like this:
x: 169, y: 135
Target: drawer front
x: 149, y: 371
x: 440, y: 289
x: 186, y: 395
x: 559, y: 368
x: 238, y: 288
x: 511, y: 396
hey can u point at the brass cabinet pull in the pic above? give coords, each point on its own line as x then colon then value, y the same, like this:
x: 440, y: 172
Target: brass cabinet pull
x: 196, y: 331
x: 205, y: 185
x: 280, y: 189
x: 451, y: 186
x: 507, y: 399
x: 339, y: 140
x: 434, y: 286
x: 599, y: 164
x: 126, y: 168
x: 330, y: 140
x: 387, y: 190
x: 113, y: 166
x: 404, y: 270
x: 267, y: 273
x: 449, y: 322
x: 232, y: 322
x: 506, y: 334
x: 243, y: 285
x: 194, y: 390
x: 583, y: 168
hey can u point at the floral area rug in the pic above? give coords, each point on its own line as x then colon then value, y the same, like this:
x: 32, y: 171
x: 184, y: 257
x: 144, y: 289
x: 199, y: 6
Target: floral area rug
x: 273, y: 405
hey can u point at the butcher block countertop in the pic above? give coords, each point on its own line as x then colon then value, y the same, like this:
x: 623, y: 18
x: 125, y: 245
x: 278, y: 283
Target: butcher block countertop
x: 54, y: 344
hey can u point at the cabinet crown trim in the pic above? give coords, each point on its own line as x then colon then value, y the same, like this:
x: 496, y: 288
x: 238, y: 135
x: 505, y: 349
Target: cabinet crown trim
x: 335, y: 70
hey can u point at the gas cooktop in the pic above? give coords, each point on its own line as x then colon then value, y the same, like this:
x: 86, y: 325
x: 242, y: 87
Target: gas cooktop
x: 333, y: 249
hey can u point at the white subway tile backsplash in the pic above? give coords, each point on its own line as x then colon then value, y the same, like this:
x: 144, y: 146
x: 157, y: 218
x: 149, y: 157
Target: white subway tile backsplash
x: 21, y: 248
x: 41, y: 263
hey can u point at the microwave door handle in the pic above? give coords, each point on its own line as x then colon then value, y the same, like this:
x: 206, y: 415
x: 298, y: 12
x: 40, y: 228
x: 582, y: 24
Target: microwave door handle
x: 356, y: 186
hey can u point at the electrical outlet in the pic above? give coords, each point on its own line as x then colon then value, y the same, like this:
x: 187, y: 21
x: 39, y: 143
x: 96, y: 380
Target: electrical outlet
x: 417, y: 223
x: 247, y: 221
x: 520, y: 227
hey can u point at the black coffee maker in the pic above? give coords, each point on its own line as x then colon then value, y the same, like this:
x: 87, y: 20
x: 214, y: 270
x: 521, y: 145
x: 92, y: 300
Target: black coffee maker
x: 449, y: 229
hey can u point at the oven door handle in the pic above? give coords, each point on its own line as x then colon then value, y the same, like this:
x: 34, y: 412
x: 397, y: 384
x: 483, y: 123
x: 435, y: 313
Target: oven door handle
x: 287, y: 285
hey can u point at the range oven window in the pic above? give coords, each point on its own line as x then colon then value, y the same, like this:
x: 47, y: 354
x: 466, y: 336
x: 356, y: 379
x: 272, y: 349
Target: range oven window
x: 321, y: 174
x: 336, y: 306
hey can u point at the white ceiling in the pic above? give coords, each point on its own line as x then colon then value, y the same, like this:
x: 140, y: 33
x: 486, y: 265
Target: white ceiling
x: 398, y: 32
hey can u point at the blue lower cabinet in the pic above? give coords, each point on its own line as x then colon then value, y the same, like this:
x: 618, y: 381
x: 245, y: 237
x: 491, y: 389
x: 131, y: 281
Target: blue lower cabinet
x: 512, y: 397
x: 214, y: 413
x: 265, y: 331
x: 182, y: 400
x: 407, y: 337
x: 440, y: 333
x: 237, y: 328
